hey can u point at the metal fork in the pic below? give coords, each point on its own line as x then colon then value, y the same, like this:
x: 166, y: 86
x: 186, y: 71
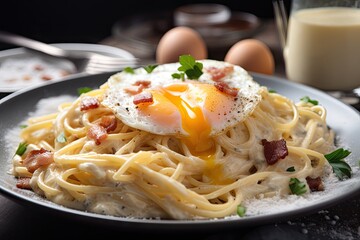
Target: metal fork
x: 88, y: 62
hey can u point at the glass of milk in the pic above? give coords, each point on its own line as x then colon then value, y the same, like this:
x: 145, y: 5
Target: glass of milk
x: 323, y: 44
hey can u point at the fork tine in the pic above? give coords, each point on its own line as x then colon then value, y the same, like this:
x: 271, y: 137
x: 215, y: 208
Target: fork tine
x: 121, y: 65
x: 113, y: 60
x: 109, y: 58
x: 104, y: 68
x: 112, y: 65
x: 98, y: 67
x: 92, y: 70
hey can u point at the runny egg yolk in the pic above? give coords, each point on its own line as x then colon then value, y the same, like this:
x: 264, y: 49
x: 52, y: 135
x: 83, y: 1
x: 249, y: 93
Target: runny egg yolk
x: 192, y: 118
x: 184, y: 106
x: 198, y: 107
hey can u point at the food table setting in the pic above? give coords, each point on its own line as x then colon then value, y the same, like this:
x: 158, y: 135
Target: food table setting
x: 322, y: 204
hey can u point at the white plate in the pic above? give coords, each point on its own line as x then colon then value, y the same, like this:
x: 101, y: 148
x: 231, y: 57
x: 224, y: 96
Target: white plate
x: 20, y: 68
x: 343, y: 119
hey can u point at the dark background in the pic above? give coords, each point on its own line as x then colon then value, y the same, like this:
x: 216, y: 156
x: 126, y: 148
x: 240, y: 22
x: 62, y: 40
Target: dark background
x: 91, y: 21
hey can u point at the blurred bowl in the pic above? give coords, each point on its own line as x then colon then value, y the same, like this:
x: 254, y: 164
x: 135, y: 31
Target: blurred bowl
x: 143, y: 32
x: 20, y: 68
x: 201, y: 14
x: 240, y: 25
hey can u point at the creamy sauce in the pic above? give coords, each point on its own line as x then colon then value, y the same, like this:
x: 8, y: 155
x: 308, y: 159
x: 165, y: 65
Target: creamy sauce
x: 323, y: 48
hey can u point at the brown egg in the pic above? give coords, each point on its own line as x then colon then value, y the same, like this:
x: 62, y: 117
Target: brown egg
x: 252, y: 55
x: 178, y: 41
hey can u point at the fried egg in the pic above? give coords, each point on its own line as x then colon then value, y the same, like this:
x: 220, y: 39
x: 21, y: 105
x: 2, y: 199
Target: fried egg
x: 193, y: 110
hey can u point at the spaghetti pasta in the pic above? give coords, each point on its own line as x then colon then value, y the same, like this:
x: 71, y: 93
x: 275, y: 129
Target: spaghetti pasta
x: 125, y: 171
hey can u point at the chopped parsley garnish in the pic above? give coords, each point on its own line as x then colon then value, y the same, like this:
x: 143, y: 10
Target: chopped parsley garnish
x: 21, y: 148
x: 306, y: 99
x: 336, y: 159
x: 83, y: 90
x: 179, y: 76
x: 241, y: 210
x: 150, y: 68
x: 61, y: 138
x: 189, y: 67
x: 272, y: 91
x: 297, y: 187
x: 22, y: 126
x: 291, y: 169
x: 129, y: 70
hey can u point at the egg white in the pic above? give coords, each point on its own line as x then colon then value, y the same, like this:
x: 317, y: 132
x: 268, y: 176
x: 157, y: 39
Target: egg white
x: 121, y: 102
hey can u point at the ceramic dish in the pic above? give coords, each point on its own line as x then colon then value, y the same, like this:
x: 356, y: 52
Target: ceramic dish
x: 343, y: 119
x: 21, y: 68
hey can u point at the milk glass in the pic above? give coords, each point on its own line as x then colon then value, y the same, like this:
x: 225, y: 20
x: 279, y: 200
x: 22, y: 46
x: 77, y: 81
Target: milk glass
x: 323, y: 44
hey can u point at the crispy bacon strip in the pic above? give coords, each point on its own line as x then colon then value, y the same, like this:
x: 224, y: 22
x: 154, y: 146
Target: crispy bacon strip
x: 133, y: 90
x: 144, y: 83
x: 97, y: 133
x: 274, y: 150
x: 23, y: 183
x: 138, y: 87
x: 144, y: 97
x: 219, y: 73
x: 89, y: 103
x: 315, y: 184
x: 109, y: 123
x: 223, y: 87
x: 38, y: 158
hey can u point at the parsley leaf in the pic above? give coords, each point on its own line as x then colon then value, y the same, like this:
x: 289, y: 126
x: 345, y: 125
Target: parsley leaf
x: 190, y: 67
x: 129, y: 70
x: 241, y: 210
x: 22, y: 126
x: 61, y: 138
x: 179, y: 76
x: 272, y: 91
x: 150, y: 68
x: 21, y: 148
x: 336, y: 159
x: 291, y: 169
x: 297, y: 187
x: 83, y: 90
x: 306, y: 99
